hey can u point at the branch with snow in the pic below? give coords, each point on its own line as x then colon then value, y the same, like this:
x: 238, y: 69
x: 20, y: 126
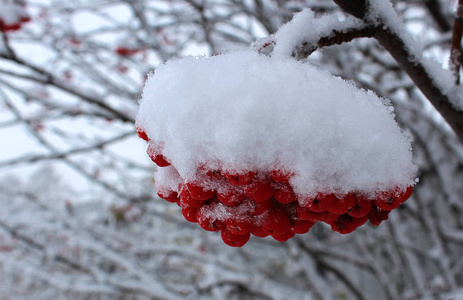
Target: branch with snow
x: 375, y: 19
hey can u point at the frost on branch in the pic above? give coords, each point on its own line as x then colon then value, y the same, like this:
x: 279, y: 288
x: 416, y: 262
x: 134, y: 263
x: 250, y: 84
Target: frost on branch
x: 12, y: 15
x: 253, y: 144
x: 306, y: 29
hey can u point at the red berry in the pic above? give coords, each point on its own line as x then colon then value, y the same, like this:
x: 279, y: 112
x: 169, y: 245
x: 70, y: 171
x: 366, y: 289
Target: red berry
x: 234, y: 240
x: 230, y: 198
x: 168, y: 195
x: 261, y: 207
x: 393, y: 199
x: 377, y: 215
x: 238, y: 226
x: 236, y: 178
x: 159, y: 160
x: 361, y: 208
x: 260, y: 190
x: 259, y: 231
x: 284, y: 237
x: 346, y: 224
x: 190, y: 202
x: 198, y: 192
x: 321, y: 202
x: 301, y: 226
x: 406, y: 194
x: 306, y: 214
x: 285, y: 194
x: 142, y: 134
x: 207, y: 221
x: 341, y: 205
x: 190, y: 214
x: 327, y: 217
x: 281, y: 176
x: 154, y: 153
x: 276, y: 221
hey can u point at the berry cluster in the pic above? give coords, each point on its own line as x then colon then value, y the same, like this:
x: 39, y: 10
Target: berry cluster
x: 17, y: 15
x: 263, y: 203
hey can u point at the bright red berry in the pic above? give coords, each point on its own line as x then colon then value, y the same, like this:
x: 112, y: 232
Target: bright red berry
x: 346, y: 224
x: 207, y: 221
x: 237, y: 178
x: 377, y: 215
x: 190, y: 202
x: 234, y: 240
x: 301, y: 226
x: 231, y: 198
x: 341, y: 205
x: 238, y: 226
x: 284, y: 237
x: 306, y: 214
x: 393, y: 199
x: 198, y: 192
x: 168, y: 195
x: 321, y: 202
x: 259, y: 231
x: 361, y: 208
x: 142, y: 134
x: 185, y: 196
x: 327, y: 217
x: 159, y: 160
x: 285, y: 194
x: 276, y: 221
x: 260, y: 190
x: 190, y: 214
x: 261, y: 207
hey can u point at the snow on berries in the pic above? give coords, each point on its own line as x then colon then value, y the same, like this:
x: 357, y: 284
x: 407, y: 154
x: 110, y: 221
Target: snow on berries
x: 253, y: 145
x: 12, y: 15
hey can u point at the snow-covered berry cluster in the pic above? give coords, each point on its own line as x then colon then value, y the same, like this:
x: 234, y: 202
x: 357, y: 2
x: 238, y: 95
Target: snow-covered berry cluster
x: 12, y: 16
x: 253, y: 145
x: 264, y: 203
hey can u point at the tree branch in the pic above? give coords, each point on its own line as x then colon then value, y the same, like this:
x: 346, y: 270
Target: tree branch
x: 435, y: 11
x: 416, y: 70
x: 335, y: 38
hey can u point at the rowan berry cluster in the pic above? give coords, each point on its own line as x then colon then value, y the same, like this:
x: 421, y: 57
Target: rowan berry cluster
x: 263, y: 203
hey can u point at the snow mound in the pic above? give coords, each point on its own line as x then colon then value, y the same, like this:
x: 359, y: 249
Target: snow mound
x: 244, y: 111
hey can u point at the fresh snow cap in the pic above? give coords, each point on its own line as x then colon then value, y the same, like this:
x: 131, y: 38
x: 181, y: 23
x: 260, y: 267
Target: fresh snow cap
x: 244, y: 111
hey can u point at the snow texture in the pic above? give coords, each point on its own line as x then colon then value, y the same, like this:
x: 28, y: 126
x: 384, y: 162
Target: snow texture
x: 244, y: 111
x: 305, y: 27
x: 11, y: 13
